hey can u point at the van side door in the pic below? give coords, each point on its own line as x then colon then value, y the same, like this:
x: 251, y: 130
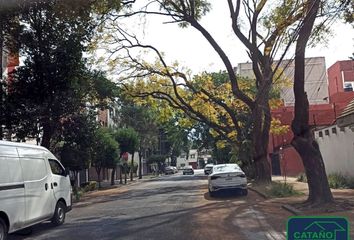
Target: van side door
x: 12, y: 189
x: 39, y: 195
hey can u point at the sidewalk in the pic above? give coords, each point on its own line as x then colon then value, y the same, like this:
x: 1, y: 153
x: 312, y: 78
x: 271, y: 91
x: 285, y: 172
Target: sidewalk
x: 344, y: 202
x: 107, y: 192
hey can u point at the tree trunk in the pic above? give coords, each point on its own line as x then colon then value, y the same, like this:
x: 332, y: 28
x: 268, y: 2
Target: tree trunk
x: 132, y: 167
x: 120, y: 174
x: 140, y: 166
x: 261, y: 128
x: 98, y: 171
x: 47, y: 134
x: 112, y: 176
x: 125, y: 173
x: 304, y: 142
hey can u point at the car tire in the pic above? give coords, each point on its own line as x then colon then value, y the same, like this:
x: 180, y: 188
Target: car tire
x: 59, y: 214
x: 3, y: 230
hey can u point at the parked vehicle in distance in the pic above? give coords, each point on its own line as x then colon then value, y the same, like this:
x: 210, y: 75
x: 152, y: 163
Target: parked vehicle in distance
x: 188, y: 170
x: 175, y: 170
x: 208, y: 168
x: 169, y: 170
x: 34, y: 187
x: 227, y: 177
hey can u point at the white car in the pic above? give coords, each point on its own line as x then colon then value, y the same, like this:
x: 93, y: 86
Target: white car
x: 34, y: 187
x: 208, y: 168
x: 227, y: 176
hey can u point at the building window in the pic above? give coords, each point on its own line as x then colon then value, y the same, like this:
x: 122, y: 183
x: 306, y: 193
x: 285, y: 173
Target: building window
x: 334, y: 130
x: 327, y: 132
x: 320, y: 134
x: 348, y: 87
x: 342, y: 129
x: 192, y: 155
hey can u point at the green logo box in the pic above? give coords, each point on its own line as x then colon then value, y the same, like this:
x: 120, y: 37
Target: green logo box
x: 317, y: 228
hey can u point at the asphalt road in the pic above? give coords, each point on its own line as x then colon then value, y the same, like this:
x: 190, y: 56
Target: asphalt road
x: 171, y: 207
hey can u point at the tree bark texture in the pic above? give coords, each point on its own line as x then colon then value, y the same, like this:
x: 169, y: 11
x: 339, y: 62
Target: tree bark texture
x: 303, y: 141
x: 120, y: 174
x: 140, y: 166
x: 47, y: 134
x: 98, y: 171
x: 112, y: 176
x: 261, y: 127
x: 132, y: 167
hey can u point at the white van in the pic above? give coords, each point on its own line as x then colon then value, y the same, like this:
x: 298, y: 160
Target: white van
x: 34, y: 187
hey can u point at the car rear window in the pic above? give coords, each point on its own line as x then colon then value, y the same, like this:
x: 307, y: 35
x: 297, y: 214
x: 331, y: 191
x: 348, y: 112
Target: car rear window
x: 226, y: 168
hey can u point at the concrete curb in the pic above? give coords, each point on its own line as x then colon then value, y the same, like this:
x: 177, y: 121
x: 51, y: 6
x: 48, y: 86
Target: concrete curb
x: 292, y: 210
x: 258, y: 192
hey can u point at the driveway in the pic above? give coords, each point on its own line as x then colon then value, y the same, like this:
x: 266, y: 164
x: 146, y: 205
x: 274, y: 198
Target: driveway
x: 170, y: 207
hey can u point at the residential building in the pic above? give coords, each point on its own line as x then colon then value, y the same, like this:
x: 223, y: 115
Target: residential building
x: 284, y: 158
x: 342, y: 76
x: 315, y: 83
x: 193, y: 158
x: 336, y: 143
x: 182, y: 160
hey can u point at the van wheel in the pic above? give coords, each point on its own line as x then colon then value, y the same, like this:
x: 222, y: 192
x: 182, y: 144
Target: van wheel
x: 59, y: 214
x: 3, y: 230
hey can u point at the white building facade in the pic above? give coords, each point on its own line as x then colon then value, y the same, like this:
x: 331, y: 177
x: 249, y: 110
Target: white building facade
x: 337, y: 148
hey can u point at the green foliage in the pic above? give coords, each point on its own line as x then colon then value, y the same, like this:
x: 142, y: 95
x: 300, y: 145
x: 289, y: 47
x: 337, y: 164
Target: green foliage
x: 105, y: 149
x: 129, y: 168
x: 54, y: 83
x: 77, y: 141
x: 302, y: 178
x: 143, y: 120
x: 156, y: 159
x: 195, y: 9
x: 90, y: 186
x: 278, y: 189
x: 128, y: 139
x: 41, y: 91
x: 338, y: 180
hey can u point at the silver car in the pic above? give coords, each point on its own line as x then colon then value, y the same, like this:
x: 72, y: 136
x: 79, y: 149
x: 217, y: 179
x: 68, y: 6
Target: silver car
x: 227, y: 176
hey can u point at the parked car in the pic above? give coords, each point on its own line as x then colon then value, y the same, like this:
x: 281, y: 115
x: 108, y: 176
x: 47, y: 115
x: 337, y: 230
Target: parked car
x: 188, y: 170
x: 34, y: 187
x: 227, y: 177
x: 208, y: 168
x: 175, y: 170
x: 169, y: 170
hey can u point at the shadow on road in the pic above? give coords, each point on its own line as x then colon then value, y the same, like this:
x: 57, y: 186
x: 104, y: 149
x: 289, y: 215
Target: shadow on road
x: 225, y: 195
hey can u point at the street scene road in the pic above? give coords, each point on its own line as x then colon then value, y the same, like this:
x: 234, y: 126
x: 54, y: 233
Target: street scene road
x: 170, y: 207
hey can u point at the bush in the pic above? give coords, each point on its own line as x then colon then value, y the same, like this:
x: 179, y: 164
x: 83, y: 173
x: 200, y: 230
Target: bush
x: 77, y: 192
x: 351, y: 182
x: 337, y: 180
x: 278, y: 189
x: 89, y: 186
x: 302, y: 178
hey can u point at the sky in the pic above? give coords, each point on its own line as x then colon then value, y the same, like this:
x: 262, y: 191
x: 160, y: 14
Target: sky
x: 190, y: 49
